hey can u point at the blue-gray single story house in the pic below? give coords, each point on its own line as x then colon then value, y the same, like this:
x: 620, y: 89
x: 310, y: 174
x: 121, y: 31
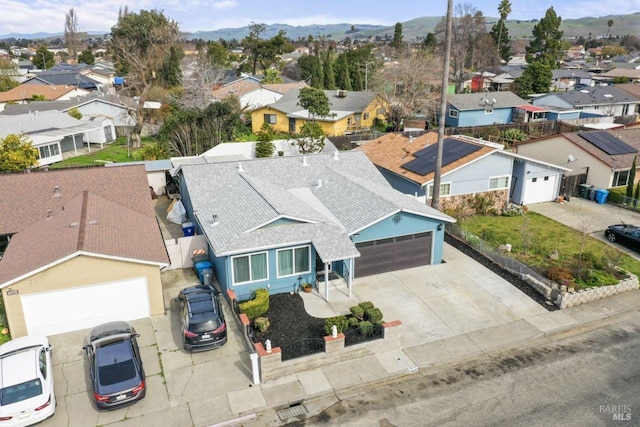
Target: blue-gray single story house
x: 278, y: 222
x: 481, y: 108
x: 470, y: 168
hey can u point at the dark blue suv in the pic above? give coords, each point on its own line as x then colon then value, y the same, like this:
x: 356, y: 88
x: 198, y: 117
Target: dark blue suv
x: 201, y: 318
x: 115, y: 365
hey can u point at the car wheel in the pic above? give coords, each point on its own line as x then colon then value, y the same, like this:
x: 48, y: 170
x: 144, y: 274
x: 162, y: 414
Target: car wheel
x: 611, y: 237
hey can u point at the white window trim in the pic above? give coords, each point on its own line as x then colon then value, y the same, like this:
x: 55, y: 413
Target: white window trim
x: 453, y: 113
x: 498, y: 178
x: 233, y: 278
x: 293, y: 248
x: 430, y: 190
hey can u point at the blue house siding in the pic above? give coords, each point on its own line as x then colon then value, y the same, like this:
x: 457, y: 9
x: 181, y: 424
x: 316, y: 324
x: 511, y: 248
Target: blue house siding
x: 563, y: 115
x: 275, y: 284
x: 480, y: 117
x: 401, y: 184
x: 474, y: 177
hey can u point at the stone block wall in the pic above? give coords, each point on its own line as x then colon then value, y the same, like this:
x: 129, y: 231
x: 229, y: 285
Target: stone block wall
x: 567, y: 299
x: 496, y: 200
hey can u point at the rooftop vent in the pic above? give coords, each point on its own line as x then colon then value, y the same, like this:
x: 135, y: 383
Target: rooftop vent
x: 73, y: 224
x: 56, y: 192
x: 335, y: 155
x: 319, y: 183
x: 340, y: 93
x: 49, y: 213
x: 304, y: 161
x: 93, y: 222
x: 240, y: 167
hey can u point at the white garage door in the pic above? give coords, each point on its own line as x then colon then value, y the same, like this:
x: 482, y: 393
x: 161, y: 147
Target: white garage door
x: 55, y: 312
x: 541, y: 189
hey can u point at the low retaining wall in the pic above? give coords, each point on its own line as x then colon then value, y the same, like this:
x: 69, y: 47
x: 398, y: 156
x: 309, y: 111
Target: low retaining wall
x: 567, y: 299
x: 272, y: 367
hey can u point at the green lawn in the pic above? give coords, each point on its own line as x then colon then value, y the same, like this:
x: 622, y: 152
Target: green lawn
x: 115, y: 152
x: 547, y: 235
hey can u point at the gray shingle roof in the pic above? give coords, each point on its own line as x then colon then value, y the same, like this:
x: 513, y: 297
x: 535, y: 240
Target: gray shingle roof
x: 597, y: 95
x: 279, y: 202
x: 36, y: 123
x: 473, y: 101
x: 353, y: 102
x: 13, y: 109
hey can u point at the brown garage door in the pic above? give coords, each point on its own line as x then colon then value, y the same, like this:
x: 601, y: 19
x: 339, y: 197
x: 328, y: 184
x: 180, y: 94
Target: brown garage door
x: 396, y: 253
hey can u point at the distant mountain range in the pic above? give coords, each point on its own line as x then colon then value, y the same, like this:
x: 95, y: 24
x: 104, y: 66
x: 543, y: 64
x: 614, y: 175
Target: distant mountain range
x: 411, y: 30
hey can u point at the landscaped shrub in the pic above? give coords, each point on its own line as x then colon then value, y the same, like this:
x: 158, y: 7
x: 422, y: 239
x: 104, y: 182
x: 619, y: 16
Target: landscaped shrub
x: 366, y: 305
x: 366, y: 327
x: 341, y: 323
x: 513, y: 210
x: 374, y: 315
x: 592, y: 261
x: 353, y: 322
x: 597, y: 278
x: 357, y: 311
x: 262, y: 323
x: 257, y: 306
x: 561, y: 275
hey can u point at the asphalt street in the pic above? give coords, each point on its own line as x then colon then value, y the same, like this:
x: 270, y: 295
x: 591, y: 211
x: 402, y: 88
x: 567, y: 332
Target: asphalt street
x: 578, y: 379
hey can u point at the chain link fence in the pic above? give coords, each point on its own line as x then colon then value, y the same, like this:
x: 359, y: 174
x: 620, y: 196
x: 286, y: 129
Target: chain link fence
x: 511, y: 265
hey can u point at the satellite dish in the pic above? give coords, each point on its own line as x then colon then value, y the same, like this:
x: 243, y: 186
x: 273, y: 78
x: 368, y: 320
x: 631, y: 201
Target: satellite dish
x: 571, y: 158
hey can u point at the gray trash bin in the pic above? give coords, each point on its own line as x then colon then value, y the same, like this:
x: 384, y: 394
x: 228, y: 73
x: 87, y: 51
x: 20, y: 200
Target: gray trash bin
x: 592, y: 193
x: 207, y: 277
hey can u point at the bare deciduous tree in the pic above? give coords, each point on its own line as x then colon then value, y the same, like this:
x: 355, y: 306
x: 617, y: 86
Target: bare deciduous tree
x: 198, y: 81
x: 410, y: 86
x: 71, y: 37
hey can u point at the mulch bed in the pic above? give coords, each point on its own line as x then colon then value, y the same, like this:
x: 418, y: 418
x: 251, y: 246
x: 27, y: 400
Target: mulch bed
x: 289, y: 322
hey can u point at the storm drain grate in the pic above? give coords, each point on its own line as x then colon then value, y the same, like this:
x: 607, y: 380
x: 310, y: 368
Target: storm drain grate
x: 292, y: 411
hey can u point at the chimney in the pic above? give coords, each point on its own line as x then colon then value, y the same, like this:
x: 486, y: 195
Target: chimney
x: 56, y: 192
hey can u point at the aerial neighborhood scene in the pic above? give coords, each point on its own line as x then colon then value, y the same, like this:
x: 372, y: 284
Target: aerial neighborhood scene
x: 329, y: 214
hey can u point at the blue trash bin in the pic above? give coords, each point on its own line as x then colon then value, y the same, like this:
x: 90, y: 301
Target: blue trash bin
x: 601, y: 196
x: 188, y: 228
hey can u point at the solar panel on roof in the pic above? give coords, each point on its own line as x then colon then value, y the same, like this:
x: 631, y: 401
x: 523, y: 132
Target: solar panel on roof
x: 607, y: 143
x: 452, y: 150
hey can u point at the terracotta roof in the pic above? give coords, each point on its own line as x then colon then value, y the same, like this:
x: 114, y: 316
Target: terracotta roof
x: 237, y: 88
x: 630, y: 88
x: 391, y: 151
x: 104, y: 212
x: 26, y: 92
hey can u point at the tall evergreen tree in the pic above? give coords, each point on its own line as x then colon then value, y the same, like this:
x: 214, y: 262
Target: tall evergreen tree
x: 329, y: 74
x: 343, y: 78
x: 500, y: 32
x: 546, y: 45
x: 311, y: 68
x: 397, y: 41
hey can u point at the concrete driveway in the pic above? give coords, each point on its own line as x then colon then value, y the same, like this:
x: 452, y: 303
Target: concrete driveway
x: 582, y: 214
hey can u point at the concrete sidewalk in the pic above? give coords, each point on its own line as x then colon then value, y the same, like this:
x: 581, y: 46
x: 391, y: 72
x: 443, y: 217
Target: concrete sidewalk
x: 450, y: 313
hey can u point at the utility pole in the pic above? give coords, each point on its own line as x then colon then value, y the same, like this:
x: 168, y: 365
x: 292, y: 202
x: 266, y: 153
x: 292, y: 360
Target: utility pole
x: 435, y: 199
x: 366, y: 75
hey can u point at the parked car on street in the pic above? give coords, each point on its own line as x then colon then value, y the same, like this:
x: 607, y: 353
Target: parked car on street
x: 201, y: 318
x: 26, y: 381
x: 115, y: 365
x: 626, y: 234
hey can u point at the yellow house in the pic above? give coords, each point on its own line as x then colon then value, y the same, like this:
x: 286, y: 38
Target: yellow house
x: 349, y: 111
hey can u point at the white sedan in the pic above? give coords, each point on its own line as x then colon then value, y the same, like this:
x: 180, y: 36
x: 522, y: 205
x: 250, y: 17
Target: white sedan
x: 26, y: 381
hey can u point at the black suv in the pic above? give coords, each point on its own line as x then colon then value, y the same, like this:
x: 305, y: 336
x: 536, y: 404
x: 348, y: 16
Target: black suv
x: 115, y: 366
x: 201, y: 318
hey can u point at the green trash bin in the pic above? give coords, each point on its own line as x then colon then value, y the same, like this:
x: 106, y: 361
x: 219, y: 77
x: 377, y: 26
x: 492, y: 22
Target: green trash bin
x: 584, y: 190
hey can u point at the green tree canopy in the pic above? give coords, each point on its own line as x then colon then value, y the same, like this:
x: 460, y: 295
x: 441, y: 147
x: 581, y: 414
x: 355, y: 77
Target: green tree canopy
x: 314, y: 100
x: 311, y: 70
x: 536, y: 78
x: 271, y: 76
x: 264, y: 52
x: 43, y: 58
x: 310, y: 138
x: 546, y: 45
x: 17, y: 153
x: 86, y: 57
x: 142, y: 44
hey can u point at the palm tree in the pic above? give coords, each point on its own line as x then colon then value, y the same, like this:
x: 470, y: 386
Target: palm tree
x: 609, y: 24
x: 504, y: 9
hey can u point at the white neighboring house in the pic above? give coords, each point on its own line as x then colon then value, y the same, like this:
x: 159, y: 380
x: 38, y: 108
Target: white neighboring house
x: 252, y: 94
x: 247, y: 150
x: 57, y: 135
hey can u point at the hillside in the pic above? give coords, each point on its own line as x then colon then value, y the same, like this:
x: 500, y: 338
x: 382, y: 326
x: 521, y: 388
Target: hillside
x: 411, y: 30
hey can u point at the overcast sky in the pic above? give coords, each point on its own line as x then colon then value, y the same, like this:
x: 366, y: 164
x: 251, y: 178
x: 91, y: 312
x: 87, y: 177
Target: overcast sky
x: 48, y: 16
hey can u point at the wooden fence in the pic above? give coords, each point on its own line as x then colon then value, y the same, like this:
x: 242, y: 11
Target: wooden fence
x: 181, y: 250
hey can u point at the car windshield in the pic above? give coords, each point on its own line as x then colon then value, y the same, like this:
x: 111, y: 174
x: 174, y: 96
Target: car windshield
x: 19, y: 392
x: 204, y: 316
x: 115, y: 363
